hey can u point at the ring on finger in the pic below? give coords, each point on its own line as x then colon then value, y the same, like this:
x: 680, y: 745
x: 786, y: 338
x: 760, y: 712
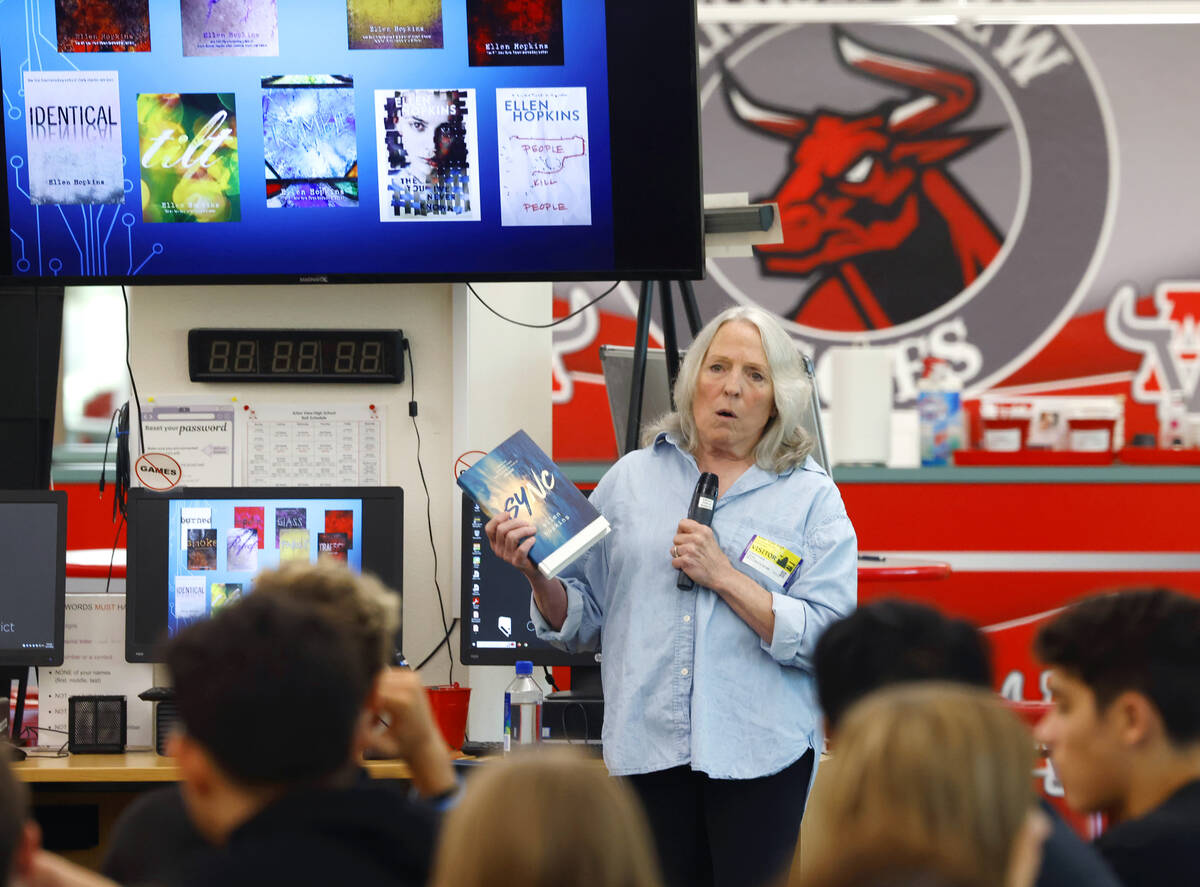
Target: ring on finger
x: 674, y: 551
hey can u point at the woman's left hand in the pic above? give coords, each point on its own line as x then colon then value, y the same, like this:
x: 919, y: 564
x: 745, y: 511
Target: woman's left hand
x: 696, y: 552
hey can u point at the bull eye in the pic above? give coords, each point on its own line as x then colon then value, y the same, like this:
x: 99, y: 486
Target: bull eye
x: 858, y: 173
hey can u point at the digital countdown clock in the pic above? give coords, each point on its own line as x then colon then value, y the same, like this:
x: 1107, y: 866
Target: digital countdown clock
x: 241, y: 355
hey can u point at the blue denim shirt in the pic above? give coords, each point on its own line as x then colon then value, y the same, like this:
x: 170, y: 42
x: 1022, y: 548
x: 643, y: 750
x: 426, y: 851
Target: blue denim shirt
x: 686, y: 680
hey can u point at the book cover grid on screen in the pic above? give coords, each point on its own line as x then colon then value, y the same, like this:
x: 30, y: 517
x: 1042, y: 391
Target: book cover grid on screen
x: 193, y: 551
x: 33, y: 549
x: 327, y: 140
x: 496, y: 627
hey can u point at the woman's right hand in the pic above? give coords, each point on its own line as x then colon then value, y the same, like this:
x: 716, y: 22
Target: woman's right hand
x: 511, y: 540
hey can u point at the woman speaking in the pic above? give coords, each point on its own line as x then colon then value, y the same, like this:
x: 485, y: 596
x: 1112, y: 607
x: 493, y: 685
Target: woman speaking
x: 709, y: 706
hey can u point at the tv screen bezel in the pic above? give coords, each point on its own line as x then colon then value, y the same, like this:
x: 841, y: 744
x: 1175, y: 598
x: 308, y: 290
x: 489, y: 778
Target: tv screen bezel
x: 651, y: 239
x: 50, y: 658
x: 147, y: 547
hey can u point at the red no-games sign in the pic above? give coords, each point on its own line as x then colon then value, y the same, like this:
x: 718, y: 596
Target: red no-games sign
x: 157, y: 471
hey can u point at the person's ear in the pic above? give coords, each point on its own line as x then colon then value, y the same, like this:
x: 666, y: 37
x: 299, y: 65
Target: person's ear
x: 27, y: 847
x: 1136, y: 719
x: 196, y: 768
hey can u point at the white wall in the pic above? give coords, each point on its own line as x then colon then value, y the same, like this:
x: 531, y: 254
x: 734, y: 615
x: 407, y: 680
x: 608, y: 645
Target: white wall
x: 478, y: 379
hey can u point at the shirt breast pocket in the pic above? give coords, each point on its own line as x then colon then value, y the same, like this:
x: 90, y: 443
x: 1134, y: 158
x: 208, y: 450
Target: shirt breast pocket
x: 770, y: 555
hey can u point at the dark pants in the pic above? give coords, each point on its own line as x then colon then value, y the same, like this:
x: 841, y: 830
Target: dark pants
x: 724, y: 832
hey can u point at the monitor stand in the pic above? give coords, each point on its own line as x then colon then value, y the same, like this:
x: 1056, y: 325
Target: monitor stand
x: 21, y: 676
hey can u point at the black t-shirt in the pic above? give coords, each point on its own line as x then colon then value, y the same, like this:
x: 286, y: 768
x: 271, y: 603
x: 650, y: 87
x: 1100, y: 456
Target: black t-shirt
x: 1068, y: 862
x: 1160, y: 849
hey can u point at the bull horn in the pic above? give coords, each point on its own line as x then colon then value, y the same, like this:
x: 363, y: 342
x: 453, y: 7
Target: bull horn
x: 759, y: 115
x: 948, y: 93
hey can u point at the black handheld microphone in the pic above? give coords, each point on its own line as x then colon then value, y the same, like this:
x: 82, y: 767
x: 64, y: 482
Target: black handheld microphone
x: 704, y: 499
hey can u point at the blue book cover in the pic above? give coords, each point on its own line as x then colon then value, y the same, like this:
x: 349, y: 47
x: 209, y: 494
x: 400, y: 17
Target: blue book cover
x: 521, y: 480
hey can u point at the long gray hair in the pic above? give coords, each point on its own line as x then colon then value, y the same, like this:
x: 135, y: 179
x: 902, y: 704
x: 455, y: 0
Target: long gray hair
x: 784, y: 443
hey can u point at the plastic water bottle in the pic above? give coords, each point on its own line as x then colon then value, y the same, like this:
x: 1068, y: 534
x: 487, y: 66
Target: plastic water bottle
x: 522, y: 708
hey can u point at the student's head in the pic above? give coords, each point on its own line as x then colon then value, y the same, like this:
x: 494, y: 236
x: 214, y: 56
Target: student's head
x: 359, y: 602
x: 19, y: 835
x: 886, y: 866
x: 892, y: 642
x: 935, y: 770
x: 1125, y: 676
x: 269, y: 695
x: 546, y: 818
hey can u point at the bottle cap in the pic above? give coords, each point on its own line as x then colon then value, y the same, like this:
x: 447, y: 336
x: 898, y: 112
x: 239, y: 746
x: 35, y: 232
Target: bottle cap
x: 524, y: 666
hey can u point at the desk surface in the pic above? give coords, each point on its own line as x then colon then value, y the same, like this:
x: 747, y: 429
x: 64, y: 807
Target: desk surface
x: 138, y: 766
x: 878, y: 568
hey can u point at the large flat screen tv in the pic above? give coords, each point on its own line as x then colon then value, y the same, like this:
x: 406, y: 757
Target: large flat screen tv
x: 227, y: 141
x: 194, y: 550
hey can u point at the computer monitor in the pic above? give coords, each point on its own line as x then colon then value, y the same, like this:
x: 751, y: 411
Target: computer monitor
x: 193, y: 551
x: 33, y: 551
x: 496, y: 626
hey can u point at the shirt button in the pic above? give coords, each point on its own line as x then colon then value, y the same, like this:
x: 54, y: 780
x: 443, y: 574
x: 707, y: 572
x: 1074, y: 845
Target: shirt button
x: 687, y: 618
x: 683, y: 672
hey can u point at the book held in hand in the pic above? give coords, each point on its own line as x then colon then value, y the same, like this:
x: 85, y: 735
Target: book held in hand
x: 519, y: 479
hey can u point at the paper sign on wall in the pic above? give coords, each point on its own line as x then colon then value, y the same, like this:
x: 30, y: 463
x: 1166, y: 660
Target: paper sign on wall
x: 94, y: 665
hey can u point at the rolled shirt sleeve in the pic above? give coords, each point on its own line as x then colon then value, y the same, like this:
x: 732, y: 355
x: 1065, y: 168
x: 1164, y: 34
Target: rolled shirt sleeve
x: 825, y: 591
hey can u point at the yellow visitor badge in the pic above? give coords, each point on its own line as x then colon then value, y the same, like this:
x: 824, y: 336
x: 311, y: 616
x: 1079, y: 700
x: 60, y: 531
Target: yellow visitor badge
x: 772, y: 560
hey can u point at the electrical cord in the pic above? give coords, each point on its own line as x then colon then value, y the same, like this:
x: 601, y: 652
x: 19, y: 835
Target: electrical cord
x: 586, y: 727
x: 31, y: 734
x: 445, y: 639
x: 543, y: 326
x: 412, y: 412
x: 120, y: 418
x: 132, y: 384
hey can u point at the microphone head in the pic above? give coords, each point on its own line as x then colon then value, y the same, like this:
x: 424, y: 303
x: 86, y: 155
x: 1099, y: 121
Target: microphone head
x: 707, y: 485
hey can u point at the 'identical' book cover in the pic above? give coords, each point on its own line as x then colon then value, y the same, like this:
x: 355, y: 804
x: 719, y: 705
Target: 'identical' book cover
x: 395, y: 24
x: 515, y: 32
x: 426, y: 144
x: 189, y: 158
x: 545, y: 176
x: 229, y: 27
x: 310, y: 146
x: 103, y: 25
x: 73, y: 130
x: 519, y: 479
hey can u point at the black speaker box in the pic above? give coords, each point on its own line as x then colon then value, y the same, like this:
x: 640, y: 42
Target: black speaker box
x: 96, y: 725
x: 166, y: 719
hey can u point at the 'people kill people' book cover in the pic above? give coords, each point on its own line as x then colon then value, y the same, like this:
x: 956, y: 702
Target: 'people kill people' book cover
x: 310, y: 148
x: 426, y: 145
x: 394, y: 24
x: 189, y: 157
x: 73, y: 133
x: 230, y: 27
x: 103, y: 25
x: 545, y: 172
x: 518, y: 479
x: 515, y: 32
